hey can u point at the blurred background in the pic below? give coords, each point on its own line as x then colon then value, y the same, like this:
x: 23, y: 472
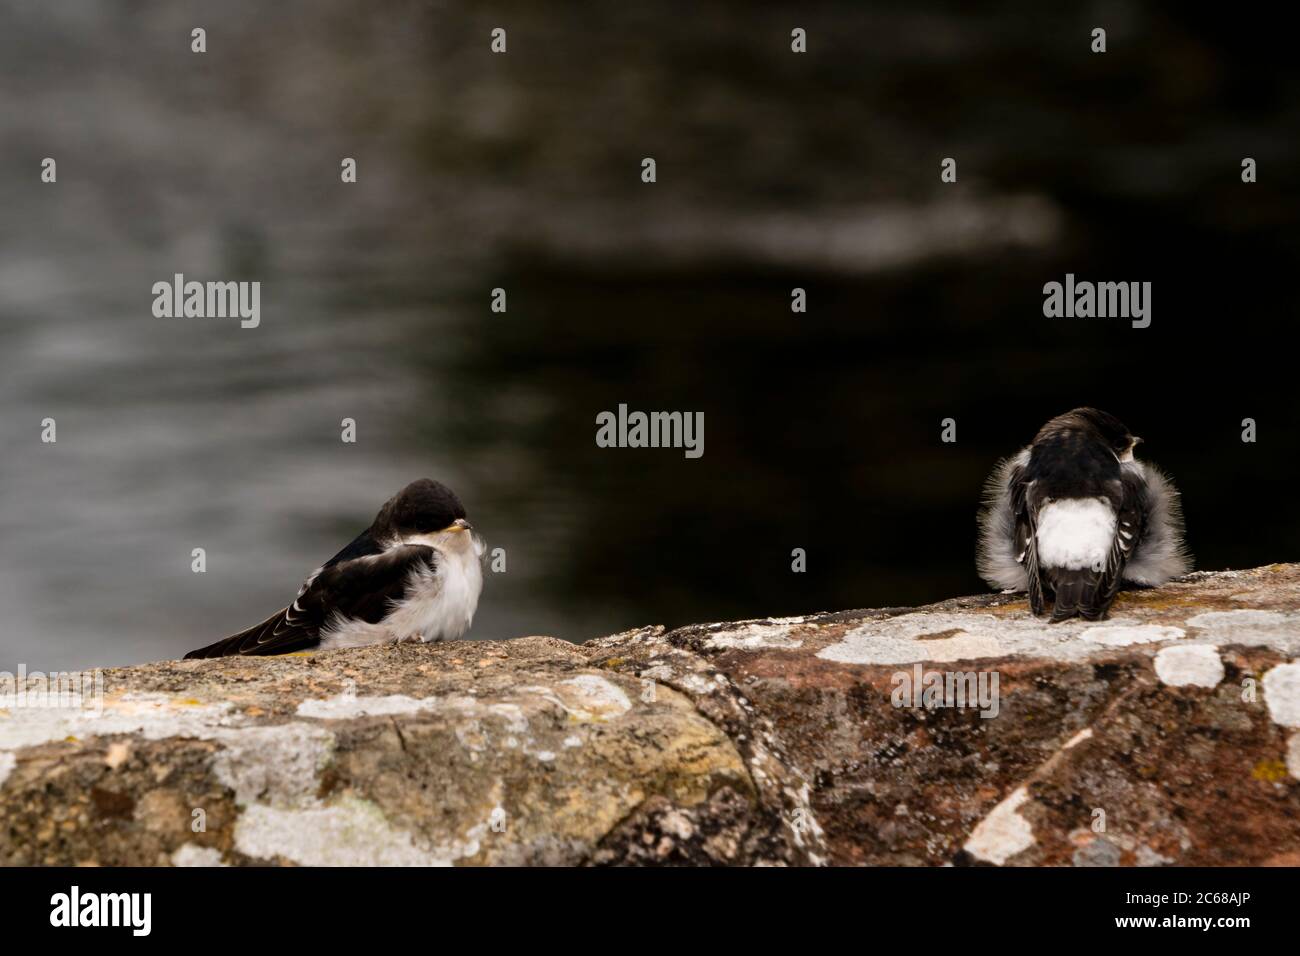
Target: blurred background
x: 775, y: 170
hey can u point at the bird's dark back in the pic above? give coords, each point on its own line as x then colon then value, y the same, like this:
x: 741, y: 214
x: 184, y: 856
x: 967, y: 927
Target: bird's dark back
x: 1073, y: 463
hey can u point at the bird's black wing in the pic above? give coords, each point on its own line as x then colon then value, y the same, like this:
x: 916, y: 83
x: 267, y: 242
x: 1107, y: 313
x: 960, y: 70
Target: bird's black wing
x: 1024, y: 507
x: 362, y: 588
x: 362, y: 546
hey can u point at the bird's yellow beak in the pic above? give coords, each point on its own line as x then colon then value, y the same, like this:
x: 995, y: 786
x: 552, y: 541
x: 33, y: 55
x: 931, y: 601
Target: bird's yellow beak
x: 460, y: 524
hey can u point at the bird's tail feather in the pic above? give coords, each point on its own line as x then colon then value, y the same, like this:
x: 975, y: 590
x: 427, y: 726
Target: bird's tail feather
x: 1078, y: 594
x: 228, y: 646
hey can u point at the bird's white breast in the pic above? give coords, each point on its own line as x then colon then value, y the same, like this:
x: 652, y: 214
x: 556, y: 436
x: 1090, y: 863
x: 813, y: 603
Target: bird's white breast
x: 1075, y: 533
x: 440, y: 604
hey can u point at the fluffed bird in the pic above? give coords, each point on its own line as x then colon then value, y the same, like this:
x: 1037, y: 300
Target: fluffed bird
x: 1074, y: 514
x: 413, y: 575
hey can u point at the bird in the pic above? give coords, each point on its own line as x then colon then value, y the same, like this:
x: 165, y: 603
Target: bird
x: 1075, y: 514
x: 413, y: 575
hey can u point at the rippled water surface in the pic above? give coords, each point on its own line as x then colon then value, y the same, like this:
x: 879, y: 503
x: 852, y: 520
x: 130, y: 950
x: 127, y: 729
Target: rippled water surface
x: 522, y: 172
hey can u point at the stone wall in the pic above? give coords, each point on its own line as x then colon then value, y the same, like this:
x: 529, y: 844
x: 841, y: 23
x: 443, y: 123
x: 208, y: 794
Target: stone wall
x: 1165, y: 735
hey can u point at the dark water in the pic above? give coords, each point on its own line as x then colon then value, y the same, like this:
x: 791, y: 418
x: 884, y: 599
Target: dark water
x: 822, y: 430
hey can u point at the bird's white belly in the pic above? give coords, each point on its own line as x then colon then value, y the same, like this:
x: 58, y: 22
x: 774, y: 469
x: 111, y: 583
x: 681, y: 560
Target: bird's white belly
x: 1075, y: 533
x: 439, y: 606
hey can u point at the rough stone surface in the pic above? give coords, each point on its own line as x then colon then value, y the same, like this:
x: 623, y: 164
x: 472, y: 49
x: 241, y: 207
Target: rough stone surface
x: 1162, y: 736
